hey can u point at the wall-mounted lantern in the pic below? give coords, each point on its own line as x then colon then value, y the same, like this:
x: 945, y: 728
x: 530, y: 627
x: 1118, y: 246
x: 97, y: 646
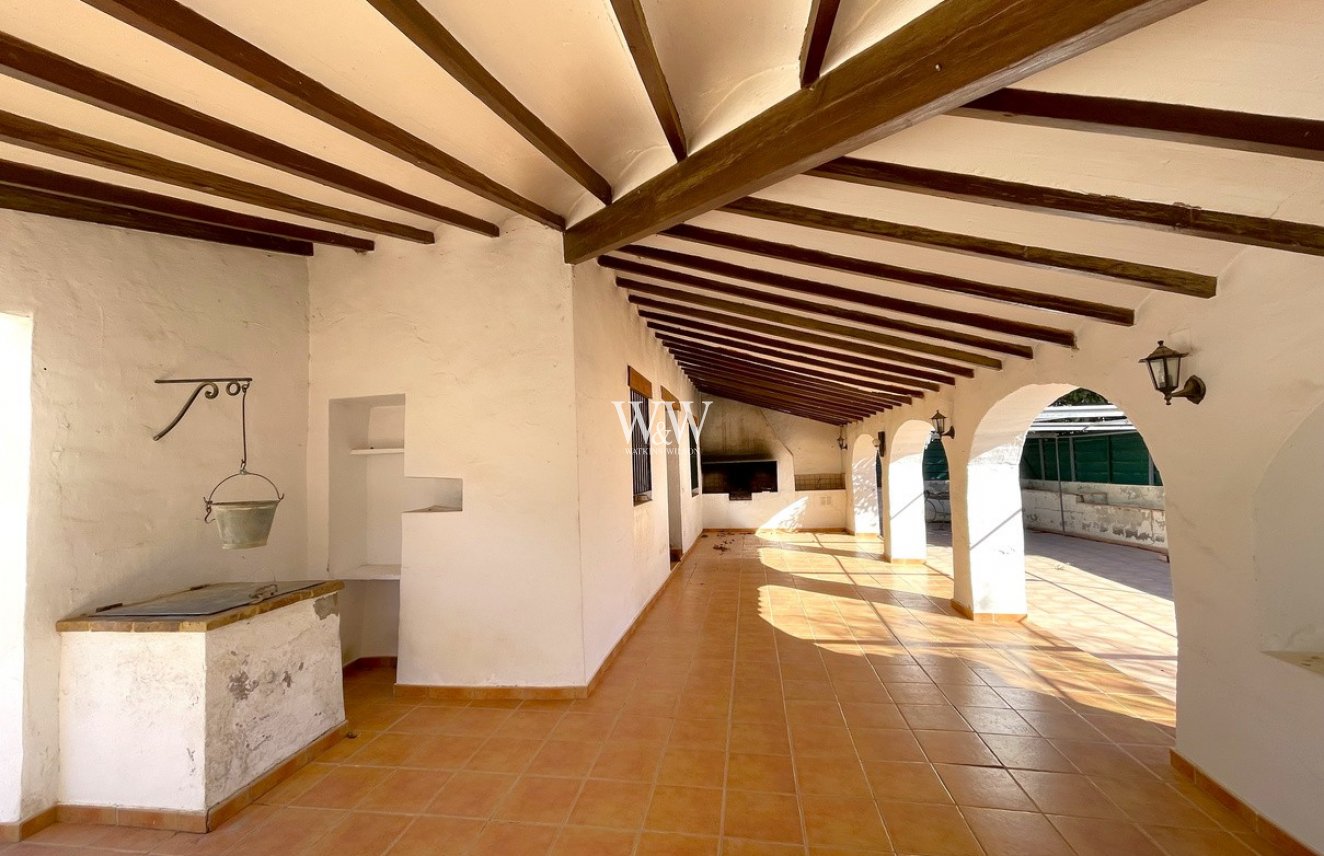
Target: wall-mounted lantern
x: 1164, y: 366
x: 841, y: 439
x: 940, y: 425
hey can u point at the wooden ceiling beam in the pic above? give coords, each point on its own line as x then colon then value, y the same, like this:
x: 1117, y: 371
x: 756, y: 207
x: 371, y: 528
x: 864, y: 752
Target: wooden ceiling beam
x: 902, y: 362
x: 790, y: 394
x: 794, y: 374
x: 39, y: 136
x: 873, y: 322
x: 1285, y: 136
x: 1130, y: 273
x: 818, y: 32
x: 418, y: 25
x: 1181, y: 219
x: 25, y: 61
x: 63, y: 184
x: 816, y: 289
x: 69, y: 208
x: 791, y: 380
x: 807, y: 371
x: 634, y: 26
x: 857, y: 369
x: 758, y: 398
x: 752, y: 401
x: 947, y: 56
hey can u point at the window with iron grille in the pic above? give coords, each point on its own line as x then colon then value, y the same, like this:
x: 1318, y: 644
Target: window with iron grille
x: 641, y: 455
x: 694, y: 460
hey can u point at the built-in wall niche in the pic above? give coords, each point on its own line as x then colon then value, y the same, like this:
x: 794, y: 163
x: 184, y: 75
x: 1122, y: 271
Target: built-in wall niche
x: 368, y: 488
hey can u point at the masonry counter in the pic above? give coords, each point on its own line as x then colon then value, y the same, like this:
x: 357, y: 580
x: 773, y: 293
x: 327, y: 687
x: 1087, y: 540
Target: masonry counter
x: 175, y: 712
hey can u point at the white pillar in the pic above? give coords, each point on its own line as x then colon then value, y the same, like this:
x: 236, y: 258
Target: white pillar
x: 864, y: 487
x: 988, y: 537
x: 904, y: 536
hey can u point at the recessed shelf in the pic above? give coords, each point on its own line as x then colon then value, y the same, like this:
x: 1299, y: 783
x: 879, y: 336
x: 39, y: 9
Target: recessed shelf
x: 372, y: 572
x: 434, y: 509
x: 370, y: 450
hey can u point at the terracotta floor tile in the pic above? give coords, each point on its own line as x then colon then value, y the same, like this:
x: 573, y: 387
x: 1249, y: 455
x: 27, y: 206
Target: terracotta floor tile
x: 984, y: 787
x: 955, y: 747
x: 699, y: 734
x: 762, y: 817
x: 1066, y: 793
x: 538, y: 799
x: 635, y: 762
x: 363, y: 834
x: 642, y: 728
x: 843, y: 822
x: 437, y: 836
x: 514, y: 839
x: 761, y: 773
x: 745, y: 847
x: 907, y: 781
x: 341, y: 787
x: 935, y: 717
x: 698, y: 768
x: 1016, y: 833
x: 680, y: 809
x: 673, y: 844
x: 887, y: 744
x: 404, y: 791
x: 1028, y: 753
x: 470, y: 794
x: 1098, y: 837
x: 503, y: 755
x: 446, y: 752
x: 1197, y: 842
x: 616, y: 805
x: 831, y: 775
x: 582, y: 841
x: 932, y: 830
x: 288, y: 830
x: 564, y: 758
x: 591, y: 727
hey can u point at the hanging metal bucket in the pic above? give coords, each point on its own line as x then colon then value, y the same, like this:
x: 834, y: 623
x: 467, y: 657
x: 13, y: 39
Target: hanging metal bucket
x: 243, y: 523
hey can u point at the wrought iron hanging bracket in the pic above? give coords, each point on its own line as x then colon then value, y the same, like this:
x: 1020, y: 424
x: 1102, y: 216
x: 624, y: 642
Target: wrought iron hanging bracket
x: 207, y: 387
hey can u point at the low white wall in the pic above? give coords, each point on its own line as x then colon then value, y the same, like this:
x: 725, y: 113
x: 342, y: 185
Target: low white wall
x: 1122, y: 514
x: 792, y: 510
x: 112, y: 515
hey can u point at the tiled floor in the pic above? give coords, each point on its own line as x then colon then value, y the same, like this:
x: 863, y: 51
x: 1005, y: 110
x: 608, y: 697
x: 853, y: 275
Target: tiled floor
x: 792, y: 695
x: 1110, y: 600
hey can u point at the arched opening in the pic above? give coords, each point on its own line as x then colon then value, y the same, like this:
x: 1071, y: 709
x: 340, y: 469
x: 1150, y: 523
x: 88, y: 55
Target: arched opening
x: 1064, y: 520
x: 864, y: 478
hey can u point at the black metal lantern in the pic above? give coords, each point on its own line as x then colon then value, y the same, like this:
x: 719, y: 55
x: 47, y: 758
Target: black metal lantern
x: 940, y: 425
x: 1164, y: 366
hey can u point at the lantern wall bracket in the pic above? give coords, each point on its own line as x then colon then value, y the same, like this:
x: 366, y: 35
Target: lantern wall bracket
x: 207, y: 387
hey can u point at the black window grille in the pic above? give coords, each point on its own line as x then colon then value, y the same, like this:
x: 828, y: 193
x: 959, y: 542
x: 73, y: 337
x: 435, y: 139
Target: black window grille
x: 641, y: 455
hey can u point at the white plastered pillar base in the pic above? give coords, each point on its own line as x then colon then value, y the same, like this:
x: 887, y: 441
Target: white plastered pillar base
x: 988, y: 537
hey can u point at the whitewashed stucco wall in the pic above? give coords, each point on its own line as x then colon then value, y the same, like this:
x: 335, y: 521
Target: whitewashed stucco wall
x: 1248, y: 719
x: 626, y: 548
x: 476, y: 333
x: 112, y: 515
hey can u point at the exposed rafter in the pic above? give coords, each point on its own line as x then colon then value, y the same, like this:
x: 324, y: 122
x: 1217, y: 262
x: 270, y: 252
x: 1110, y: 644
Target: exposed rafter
x: 809, y: 323
x: 1244, y: 229
x: 1131, y: 273
x: 40, y: 67
x: 818, y: 32
x: 1286, y: 136
x: 799, y: 285
x: 792, y: 328
x: 761, y: 397
x: 845, y: 367
x: 776, y: 372
x: 35, y: 178
x: 825, y: 401
x: 947, y: 56
x: 186, y: 30
x: 816, y: 291
x: 778, y: 405
x: 431, y: 37
x: 42, y: 137
x: 68, y: 208
x: 630, y: 16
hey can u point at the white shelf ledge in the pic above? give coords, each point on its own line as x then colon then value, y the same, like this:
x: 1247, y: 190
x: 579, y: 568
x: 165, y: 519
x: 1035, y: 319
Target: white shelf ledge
x: 372, y: 572
x: 386, y: 450
x: 435, y: 509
